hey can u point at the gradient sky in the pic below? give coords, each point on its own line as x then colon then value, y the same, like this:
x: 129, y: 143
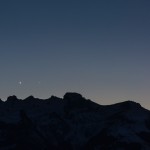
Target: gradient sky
x: 99, y: 48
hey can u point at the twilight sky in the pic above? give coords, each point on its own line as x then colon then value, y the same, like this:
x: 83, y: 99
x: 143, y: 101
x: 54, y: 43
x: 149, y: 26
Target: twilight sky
x: 99, y: 48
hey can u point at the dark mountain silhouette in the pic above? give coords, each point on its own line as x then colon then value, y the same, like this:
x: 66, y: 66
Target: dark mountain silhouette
x: 72, y: 123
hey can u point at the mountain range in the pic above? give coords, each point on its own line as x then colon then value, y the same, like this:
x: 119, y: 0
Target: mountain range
x: 72, y: 123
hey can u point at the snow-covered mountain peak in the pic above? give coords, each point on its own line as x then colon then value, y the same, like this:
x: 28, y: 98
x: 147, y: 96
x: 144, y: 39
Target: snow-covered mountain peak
x: 73, y: 123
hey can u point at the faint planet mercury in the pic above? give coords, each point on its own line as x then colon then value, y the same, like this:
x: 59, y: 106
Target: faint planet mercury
x: 20, y: 82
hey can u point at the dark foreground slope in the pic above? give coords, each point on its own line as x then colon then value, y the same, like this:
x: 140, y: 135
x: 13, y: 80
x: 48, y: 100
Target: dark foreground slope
x: 72, y: 123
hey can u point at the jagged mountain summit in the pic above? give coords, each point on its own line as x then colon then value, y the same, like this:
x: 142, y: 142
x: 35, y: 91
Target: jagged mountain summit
x: 72, y: 123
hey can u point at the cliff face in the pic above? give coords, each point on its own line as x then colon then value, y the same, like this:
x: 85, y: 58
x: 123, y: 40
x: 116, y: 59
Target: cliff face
x: 72, y: 123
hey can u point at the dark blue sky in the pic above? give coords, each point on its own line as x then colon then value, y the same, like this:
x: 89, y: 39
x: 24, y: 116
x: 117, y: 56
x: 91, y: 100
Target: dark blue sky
x: 98, y: 48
